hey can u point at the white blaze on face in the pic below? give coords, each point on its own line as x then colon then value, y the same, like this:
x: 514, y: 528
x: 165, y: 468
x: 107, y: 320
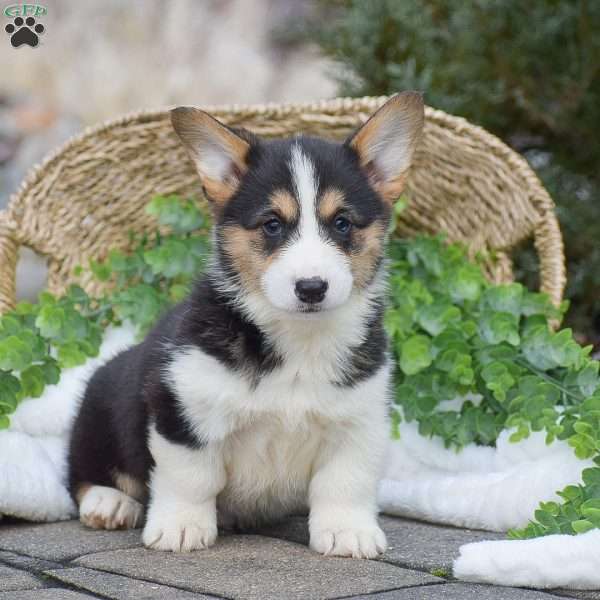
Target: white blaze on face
x: 308, y: 254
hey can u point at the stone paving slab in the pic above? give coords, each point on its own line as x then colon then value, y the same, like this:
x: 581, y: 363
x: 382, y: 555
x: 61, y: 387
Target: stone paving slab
x: 411, y: 544
x: 26, y: 563
x: 118, y: 587
x: 64, y: 540
x: 426, y: 546
x: 250, y: 567
x: 240, y: 566
x: 13, y: 579
x: 460, y: 591
x: 45, y: 594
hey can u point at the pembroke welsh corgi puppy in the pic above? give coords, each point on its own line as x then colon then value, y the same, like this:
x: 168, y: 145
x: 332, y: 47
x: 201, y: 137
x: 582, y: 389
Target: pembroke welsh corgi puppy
x: 265, y: 392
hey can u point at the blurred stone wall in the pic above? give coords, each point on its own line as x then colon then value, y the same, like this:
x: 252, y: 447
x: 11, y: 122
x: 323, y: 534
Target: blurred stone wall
x: 100, y: 58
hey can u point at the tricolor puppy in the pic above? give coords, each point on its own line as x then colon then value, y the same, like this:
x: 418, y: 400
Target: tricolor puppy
x: 266, y: 391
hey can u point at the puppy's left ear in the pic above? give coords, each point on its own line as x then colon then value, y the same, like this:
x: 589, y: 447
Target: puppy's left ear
x: 220, y: 154
x: 385, y: 144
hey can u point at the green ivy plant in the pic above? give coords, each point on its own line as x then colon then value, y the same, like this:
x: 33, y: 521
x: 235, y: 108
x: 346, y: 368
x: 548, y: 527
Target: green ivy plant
x: 38, y: 340
x: 456, y: 335
x: 453, y: 334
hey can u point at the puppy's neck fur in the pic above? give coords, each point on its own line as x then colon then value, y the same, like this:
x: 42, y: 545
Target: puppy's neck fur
x: 323, y: 342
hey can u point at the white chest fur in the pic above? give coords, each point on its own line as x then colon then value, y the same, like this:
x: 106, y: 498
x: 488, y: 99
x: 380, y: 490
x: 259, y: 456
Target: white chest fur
x: 271, y: 436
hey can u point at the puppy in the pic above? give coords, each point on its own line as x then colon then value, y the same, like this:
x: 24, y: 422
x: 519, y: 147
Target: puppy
x: 265, y: 392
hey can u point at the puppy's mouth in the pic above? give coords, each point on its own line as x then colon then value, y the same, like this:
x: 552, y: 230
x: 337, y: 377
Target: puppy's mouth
x: 309, y: 309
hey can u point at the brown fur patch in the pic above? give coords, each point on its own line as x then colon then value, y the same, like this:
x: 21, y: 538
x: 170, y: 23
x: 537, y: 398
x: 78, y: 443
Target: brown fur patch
x: 219, y: 192
x: 331, y: 202
x: 363, y: 261
x: 245, y: 248
x: 391, y: 190
x: 285, y: 204
x: 131, y: 486
x: 95, y: 521
x: 81, y: 490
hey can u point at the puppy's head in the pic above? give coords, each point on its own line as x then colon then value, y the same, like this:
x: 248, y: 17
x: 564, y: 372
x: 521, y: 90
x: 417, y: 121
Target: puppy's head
x: 300, y: 223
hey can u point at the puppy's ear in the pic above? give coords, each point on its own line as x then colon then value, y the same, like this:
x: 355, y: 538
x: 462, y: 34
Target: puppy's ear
x: 386, y: 143
x: 219, y: 154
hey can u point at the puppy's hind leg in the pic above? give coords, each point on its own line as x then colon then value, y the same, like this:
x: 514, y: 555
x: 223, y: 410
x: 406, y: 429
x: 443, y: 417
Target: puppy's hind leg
x: 103, y: 507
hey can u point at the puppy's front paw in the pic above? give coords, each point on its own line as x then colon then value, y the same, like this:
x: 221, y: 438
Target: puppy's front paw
x: 357, y: 543
x: 179, y: 532
x: 107, y: 508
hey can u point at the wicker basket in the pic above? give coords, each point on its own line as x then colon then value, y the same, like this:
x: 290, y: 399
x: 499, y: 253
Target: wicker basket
x: 85, y: 198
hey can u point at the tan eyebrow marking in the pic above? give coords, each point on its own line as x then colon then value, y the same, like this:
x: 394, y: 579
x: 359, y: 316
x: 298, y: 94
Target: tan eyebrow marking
x: 285, y: 203
x: 244, y: 248
x: 331, y: 202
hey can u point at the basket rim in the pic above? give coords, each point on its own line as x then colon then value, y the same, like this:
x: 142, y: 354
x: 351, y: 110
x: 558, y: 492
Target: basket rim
x: 332, y: 106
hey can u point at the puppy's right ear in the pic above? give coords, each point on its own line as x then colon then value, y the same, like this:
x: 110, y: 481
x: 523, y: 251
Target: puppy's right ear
x: 386, y: 143
x: 220, y: 155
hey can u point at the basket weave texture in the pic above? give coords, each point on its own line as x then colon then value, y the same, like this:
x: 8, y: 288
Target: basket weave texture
x: 86, y: 197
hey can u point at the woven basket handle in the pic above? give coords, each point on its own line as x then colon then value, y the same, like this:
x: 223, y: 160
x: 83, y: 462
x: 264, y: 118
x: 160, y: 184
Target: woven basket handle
x: 9, y: 254
x: 549, y: 245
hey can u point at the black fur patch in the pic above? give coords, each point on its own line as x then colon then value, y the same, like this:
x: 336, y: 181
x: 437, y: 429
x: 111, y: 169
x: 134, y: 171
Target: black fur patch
x: 219, y: 329
x: 367, y: 358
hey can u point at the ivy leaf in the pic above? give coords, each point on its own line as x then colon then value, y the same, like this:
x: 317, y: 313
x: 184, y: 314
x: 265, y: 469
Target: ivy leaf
x: 75, y: 326
x: 35, y: 343
x: 181, y: 217
x: 33, y: 381
x: 504, y: 298
x: 10, y: 390
x: 582, y: 526
x: 436, y: 317
x: 9, y: 325
x: 571, y: 493
x: 498, y: 379
x: 547, y: 520
x: 499, y: 327
x: 172, y: 259
x: 50, y: 321
x: 415, y: 354
x: 70, y: 355
x: 77, y: 295
x: 466, y: 284
x: 141, y: 304
x: 51, y: 371
x: 15, y: 355
x: 101, y: 270
x: 538, y: 304
x: 565, y: 351
x: 591, y: 476
x: 536, y: 348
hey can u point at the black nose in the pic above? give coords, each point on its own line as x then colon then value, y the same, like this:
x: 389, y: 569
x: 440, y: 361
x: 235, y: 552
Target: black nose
x: 311, y: 290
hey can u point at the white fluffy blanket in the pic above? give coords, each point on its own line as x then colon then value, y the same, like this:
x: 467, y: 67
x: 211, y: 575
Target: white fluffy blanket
x: 480, y: 487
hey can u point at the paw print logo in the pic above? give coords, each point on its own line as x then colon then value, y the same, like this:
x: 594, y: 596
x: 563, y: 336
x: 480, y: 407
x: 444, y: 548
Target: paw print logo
x: 24, y: 32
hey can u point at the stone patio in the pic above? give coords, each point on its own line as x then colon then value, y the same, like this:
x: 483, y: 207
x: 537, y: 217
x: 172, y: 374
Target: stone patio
x: 64, y: 561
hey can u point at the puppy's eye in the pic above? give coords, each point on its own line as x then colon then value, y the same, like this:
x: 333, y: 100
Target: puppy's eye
x: 342, y: 225
x: 272, y: 227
